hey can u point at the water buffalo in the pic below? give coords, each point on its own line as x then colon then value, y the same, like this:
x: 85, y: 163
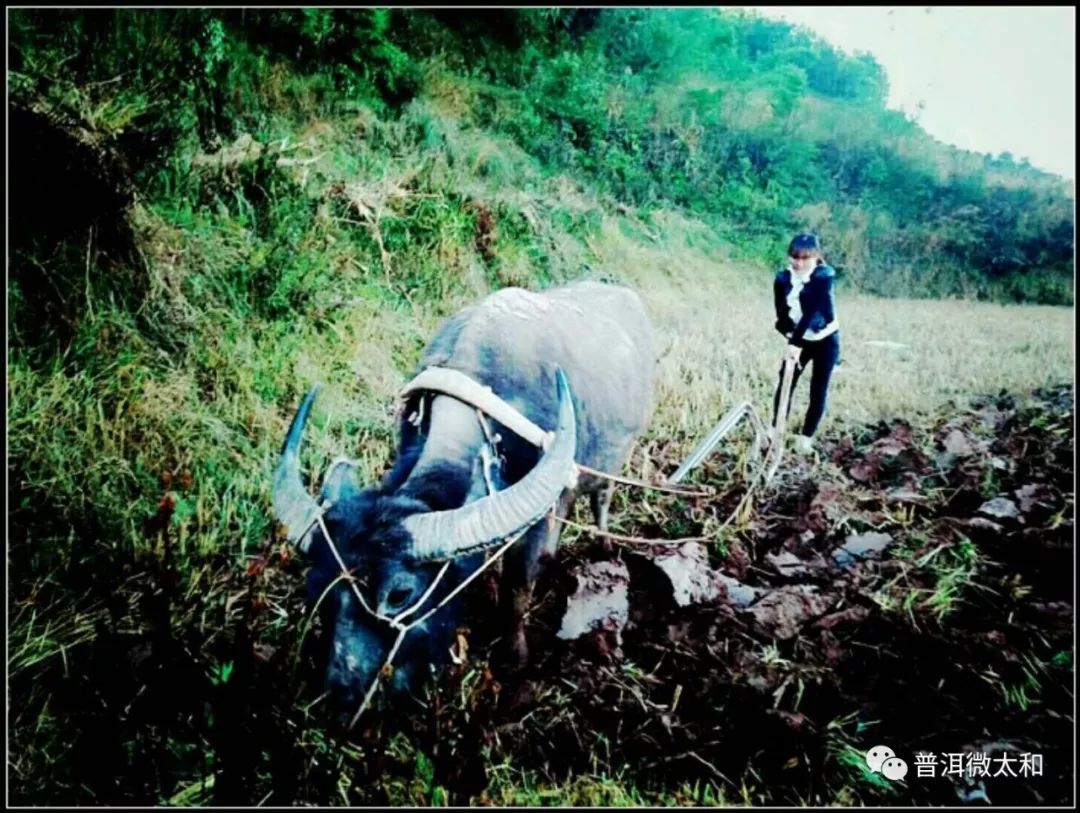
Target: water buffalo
x: 578, y: 359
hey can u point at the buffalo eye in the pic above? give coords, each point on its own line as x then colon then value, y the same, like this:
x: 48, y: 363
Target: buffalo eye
x: 399, y: 593
x: 397, y: 598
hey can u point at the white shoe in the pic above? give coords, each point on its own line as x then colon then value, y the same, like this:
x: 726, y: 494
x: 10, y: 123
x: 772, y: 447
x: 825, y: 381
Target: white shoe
x: 803, y: 444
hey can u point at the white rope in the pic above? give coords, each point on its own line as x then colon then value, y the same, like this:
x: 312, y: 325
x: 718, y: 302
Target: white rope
x: 403, y: 628
x: 395, y: 622
x: 375, y: 681
x: 762, y: 476
x: 341, y: 563
x: 510, y: 541
x: 667, y: 487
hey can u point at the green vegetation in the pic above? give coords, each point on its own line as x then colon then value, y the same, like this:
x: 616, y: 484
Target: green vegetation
x: 213, y: 209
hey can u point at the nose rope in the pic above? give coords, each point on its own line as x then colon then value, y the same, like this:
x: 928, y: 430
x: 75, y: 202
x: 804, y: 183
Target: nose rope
x: 395, y: 622
x: 341, y: 563
x: 404, y: 628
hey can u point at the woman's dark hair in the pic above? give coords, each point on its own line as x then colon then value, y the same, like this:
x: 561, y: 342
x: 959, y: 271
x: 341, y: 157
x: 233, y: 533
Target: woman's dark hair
x: 804, y: 244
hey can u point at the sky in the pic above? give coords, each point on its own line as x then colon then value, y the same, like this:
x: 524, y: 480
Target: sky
x: 991, y: 80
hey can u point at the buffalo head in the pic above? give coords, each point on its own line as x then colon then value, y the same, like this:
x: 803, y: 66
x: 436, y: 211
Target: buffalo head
x: 376, y: 554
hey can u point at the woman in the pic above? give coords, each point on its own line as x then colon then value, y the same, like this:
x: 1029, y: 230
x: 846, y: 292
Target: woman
x: 806, y: 315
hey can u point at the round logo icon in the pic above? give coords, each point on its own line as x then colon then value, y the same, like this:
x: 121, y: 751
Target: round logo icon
x: 894, y: 768
x: 877, y: 755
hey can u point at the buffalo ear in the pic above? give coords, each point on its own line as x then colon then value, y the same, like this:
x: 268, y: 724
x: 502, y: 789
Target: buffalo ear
x: 340, y: 482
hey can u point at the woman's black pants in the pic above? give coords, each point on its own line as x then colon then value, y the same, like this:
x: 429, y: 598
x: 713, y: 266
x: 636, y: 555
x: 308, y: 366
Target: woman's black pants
x: 823, y: 354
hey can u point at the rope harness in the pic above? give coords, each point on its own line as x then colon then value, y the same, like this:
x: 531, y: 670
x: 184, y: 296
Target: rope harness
x: 487, y: 404
x: 396, y: 622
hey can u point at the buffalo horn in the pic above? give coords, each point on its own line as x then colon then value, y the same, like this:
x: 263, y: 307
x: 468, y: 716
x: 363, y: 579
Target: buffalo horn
x: 294, y: 509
